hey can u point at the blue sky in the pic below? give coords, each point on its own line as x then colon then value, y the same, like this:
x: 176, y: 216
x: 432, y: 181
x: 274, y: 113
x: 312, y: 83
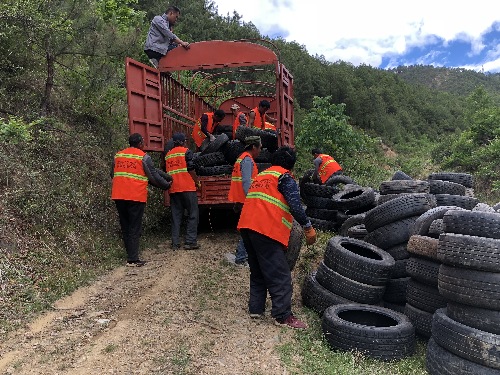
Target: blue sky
x: 383, y: 33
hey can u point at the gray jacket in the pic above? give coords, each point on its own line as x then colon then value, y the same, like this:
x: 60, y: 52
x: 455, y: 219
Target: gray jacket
x: 159, y: 35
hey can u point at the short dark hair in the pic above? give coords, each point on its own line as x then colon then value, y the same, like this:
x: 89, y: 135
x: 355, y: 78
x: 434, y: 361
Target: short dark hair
x: 264, y: 103
x: 284, y: 157
x: 173, y: 8
x: 316, y: 151
x: 220, y: 113
x: 135, y: 140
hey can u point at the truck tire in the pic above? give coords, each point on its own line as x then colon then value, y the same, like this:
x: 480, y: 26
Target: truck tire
x: 404, y: 186
x: 460, y: 178
x: 460, y: 250
x: 215, y: 145
x: 446, y: 187
x: 347, y: 288
x: 476, y: 317
x: 424, y: 270
x: 436, y: 228
x: 322, y: 214
x: 396, y: 209
x: 470, y: 343
x: 217, y: 170
x: 400, y: 175
x: 210, y: 160
x: 339, y: 179
x: 473, y: 223
x: 391, y: 234
x: 423, y: 246
x: 395, y: 290
x: 440, y: 361
x: 465, y: 202
x: 424, y: 297
x: 233, y: 150
x: 358, y: 260
x: 375, y: 331
x: 398, y: 251
x: 350, y: 222
x: 425, y: 220
x: 294, y: 244
x: 319, y: 202
x: 358, y: 232
x: 421, y: 320
x: 323, y: 225
x: 353, y: 198
x: 316, y: 190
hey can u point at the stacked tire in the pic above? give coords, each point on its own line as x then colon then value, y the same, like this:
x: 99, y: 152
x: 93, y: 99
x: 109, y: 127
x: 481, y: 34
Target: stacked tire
x: 390, y: 226
x: 466, y: 334
x: 453, y: 189
x: 352, y: 271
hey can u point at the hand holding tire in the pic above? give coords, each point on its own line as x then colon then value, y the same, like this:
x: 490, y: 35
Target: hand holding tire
x: 310, y: 235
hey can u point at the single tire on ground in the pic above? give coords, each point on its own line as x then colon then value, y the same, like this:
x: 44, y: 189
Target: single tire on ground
x: 375, y: 331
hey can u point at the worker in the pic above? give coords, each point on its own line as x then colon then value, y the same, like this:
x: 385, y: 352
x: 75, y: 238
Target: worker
x: 258, y: 116
x: 244, y: 171
x: 240, y: 119
x: 131, y: 172
x: 325, y: 166
x: 205, y: 126
x: 265, y: 225
x: 179, y: 164
x: 160, y: 37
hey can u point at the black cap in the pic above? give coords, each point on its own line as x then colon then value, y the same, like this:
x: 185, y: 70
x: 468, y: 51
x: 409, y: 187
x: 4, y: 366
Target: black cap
x: 179, y: 137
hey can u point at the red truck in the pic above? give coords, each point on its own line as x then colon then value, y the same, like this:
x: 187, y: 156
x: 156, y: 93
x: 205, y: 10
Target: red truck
x: 210, y: 75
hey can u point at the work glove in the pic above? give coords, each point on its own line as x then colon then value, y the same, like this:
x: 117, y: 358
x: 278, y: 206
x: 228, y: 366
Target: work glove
x: 310, y: 235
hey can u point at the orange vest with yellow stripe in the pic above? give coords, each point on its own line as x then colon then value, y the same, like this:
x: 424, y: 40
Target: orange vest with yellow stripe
x: 236, y: 123
x: 176, y: 166
x: 258, y: 121
x: 265, y: 210
x: 327, y: 167
x: 197, y: 135
x: 130, y: 182
x: 236, y: 192
x: 269, y: 126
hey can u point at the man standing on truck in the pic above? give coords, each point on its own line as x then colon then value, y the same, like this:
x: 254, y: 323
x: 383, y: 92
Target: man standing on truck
x: 240, y: 119
x: 325, y: 165
x: 244, y: 171
x: 205, y: 126
x: 258, y: 116
x: 160, y: 37
x: 131, y: 172
x: 179, y: 164
x: 265, y: 225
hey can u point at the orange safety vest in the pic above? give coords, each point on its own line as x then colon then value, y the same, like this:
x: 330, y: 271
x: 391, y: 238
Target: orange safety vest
x: 236, y: 192
x: 265, y: 210
x: 130, y: 182
x: 236, y: 123
x: 176, y: 166
x: 258, y: 121
x: 269, y: 126
x: 327, y: 167
x: 197, y: 135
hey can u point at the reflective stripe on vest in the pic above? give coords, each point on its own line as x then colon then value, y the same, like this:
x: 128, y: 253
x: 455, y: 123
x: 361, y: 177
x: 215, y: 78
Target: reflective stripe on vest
x: 129, y: 179
x: 269, y: 126
x: 265, y: 209
x: 236, y: 192
x: 258, y: 121
x: 176, y: 166
x: 327, y: 167
x: 197, y: 135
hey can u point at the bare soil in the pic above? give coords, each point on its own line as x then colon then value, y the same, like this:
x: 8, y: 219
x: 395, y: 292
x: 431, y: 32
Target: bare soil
x: 184, y: 312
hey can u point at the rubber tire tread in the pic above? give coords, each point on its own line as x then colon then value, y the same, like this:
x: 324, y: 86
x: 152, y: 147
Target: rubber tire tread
x: 399, y: 251
x: 424, y: 270
x: 476, y: 317
x: 465, y: 179
x: 210, y: 160
x: 317, y: 297
x: 475, y: 345
x: 446, y: 187
x: 323, y: 225
x: 391, y: 234
x: 351, y: 222
x: 216, y: 170
x: 358, y: 260
x: 347, y: 288
x: 404, y: 186
x: 396, y: 209
x: 318, y: 202
x: 425, y: 220
x: 323, y: 214
x: 384, y: 343
x: 421, y: 320
x: 358, y: 232
x: 353, y: 198
x: 424, y: 297
x: 295, y: 240
x: 400, y: 175
x: 319, y: 190
x: 440, y: 361
x: 216, y: 144
x: 395, y: 291
x: 461, y: 250
x: 470, y: 287
x: 233, y: 150
x: 456, y: 200
x: 423, y: 246
x: 473, y: 223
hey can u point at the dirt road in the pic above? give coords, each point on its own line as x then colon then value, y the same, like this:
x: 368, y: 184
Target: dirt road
x: 184, y: 312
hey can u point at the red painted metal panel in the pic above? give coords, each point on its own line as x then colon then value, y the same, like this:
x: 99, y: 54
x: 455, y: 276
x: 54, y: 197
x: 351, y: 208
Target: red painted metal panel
x: 217, y: 54
x: 144, y: 104
x: 286, y: 99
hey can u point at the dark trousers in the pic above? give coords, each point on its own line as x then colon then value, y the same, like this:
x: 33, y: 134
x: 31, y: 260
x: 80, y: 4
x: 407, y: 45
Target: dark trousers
x: 269, y: 271
x: 157, y: 55
x: 178, y: 203
x: 131, y: 213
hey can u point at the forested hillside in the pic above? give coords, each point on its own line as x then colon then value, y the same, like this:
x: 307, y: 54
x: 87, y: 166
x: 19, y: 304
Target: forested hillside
x: 63, y: 116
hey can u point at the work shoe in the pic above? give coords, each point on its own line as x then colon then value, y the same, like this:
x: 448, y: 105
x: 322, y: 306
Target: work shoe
x: 136, y: 263
x: 242, y: 264
x: 174, y: 246
x: 154, y: 62
x: 191, y: 246
x: 257, y: 315
x: 291, y: 322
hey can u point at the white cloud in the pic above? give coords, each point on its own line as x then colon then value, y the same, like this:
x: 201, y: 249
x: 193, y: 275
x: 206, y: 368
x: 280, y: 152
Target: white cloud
x: 365, y: 31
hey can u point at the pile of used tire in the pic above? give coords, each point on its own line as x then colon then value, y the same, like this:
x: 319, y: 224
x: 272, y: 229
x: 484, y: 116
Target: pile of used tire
x: 329, y: 205
x: 466, y: 334
x: 345, y: 288
x: 217, y: 158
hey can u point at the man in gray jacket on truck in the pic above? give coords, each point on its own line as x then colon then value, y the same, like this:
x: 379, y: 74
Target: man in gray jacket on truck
x: 160, y: 37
